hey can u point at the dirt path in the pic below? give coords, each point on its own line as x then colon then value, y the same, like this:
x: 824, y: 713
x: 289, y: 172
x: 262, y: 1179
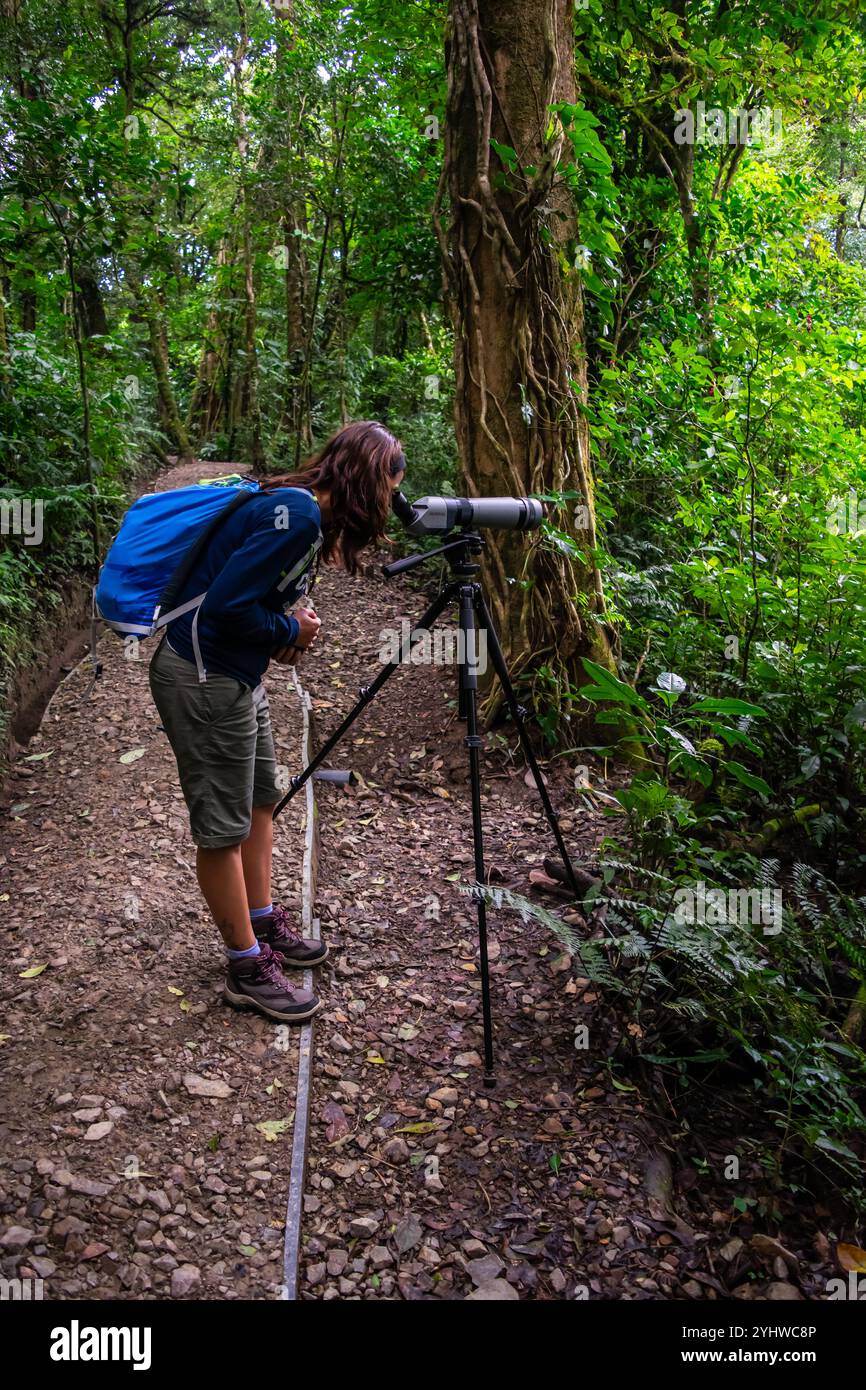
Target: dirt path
x: 118, y: 1180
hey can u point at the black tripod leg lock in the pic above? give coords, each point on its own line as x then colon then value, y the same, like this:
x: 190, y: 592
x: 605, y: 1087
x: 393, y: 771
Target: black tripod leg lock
x: 365, y: 694
x: 474, y: 741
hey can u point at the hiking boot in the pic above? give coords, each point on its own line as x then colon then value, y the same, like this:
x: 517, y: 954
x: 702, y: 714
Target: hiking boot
x: 295, y: 952
x: 257, y: 982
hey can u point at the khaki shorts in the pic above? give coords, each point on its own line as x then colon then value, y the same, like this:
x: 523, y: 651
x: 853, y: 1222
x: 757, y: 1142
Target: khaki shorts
x: 220, y: 733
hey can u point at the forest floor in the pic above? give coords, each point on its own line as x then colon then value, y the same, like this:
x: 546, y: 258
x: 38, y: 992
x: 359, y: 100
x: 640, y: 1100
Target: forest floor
x: 133, y: 1161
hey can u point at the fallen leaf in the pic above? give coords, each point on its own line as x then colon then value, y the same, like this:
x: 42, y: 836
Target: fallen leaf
x: 337, y: 1126
x: 32, y: 972
x: 851, y: 1257
x: 272, y: 1129
x: 132, y: 756
x: 407, y: 1233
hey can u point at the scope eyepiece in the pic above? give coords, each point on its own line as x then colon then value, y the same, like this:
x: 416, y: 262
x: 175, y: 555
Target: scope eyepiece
x: 402, y: 507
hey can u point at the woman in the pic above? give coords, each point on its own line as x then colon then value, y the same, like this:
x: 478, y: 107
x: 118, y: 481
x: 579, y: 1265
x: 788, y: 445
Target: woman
x: 257, y: 565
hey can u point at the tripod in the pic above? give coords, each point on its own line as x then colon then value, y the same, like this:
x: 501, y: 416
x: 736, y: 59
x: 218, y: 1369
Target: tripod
x: 473, y: 617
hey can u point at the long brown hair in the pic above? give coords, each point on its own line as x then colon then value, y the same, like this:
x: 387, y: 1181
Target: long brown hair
x: 357, y: 468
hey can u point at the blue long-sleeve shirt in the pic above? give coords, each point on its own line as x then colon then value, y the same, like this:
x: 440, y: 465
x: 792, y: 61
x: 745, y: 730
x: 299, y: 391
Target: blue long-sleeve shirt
x: 247, y: 569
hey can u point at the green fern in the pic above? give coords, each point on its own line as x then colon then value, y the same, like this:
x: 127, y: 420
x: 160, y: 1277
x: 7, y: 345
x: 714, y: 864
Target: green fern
x: 842, y: 920
x: 591, y: 955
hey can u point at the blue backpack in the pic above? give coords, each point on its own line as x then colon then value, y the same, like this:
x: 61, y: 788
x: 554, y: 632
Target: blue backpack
x: 160, y: 540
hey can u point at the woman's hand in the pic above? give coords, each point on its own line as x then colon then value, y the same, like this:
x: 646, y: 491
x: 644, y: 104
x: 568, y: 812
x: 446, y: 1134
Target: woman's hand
x: 308, y: 630
x: 309, y: 623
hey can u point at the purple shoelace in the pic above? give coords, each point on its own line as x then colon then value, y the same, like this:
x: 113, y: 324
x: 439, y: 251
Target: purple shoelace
x: 281, y: 930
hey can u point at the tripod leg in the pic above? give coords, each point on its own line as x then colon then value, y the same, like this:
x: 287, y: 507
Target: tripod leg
x: 469, y: 688
x: 366, y: 695
x: 517, y: 714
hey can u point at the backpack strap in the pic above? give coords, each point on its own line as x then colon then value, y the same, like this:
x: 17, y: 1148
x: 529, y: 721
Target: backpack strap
x: 302, y: 564
x: 196, y: 647
x: 165, y: 618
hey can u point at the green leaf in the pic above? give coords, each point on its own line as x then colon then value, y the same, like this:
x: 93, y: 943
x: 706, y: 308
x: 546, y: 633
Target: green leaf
x: 505, y: 153
x: 728, y: 706
x: 748, y: 779
x: 609, y: 687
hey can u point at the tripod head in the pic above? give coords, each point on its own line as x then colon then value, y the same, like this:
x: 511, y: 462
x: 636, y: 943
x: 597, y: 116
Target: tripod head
x: 458, y: 553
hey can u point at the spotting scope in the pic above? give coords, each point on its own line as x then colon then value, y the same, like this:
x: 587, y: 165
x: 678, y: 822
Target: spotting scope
x: 429, y: 514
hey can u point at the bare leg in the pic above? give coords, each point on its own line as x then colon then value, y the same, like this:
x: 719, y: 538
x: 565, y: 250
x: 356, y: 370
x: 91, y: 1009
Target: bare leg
x: 257, y: 853
x: 220, y: 875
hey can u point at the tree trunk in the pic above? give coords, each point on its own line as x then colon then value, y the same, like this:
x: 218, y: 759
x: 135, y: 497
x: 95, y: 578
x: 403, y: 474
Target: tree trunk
x: 27, y: 296
x: 297, y: 278
x: 5, y: 370
x: 842, y: 219
x: 25, y: 277
x: 289, y: 170
x: 144, y: 296
x: 517, y: 310
x: 206, y: 402
x: 173, y: 423
x: 249, y: 386
x: 91, y: 306
x: 297, y: 281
